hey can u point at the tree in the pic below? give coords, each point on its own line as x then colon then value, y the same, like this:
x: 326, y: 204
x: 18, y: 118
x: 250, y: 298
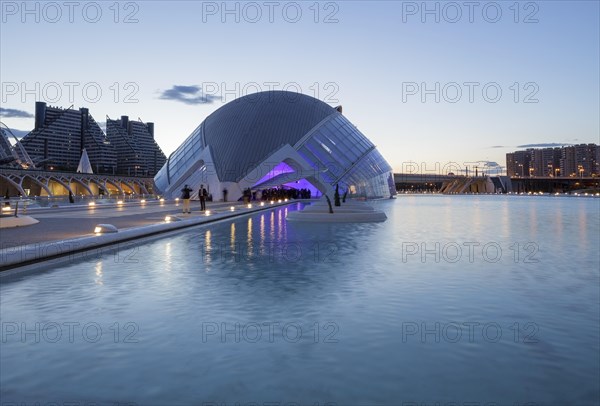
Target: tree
x: 336, y: 196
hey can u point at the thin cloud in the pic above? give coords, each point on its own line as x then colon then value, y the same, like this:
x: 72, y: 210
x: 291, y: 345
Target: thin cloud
x: 545, y: 145
x: 188, y: 94
x: 490, y: 164
x: 14, y: 113
x: 484, y: 163
x: 499, y: 146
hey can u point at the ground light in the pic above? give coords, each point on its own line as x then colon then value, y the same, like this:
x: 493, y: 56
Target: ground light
x: 249, y: 206
x: 143, y: 201
x: 119, y: 202
x: 207, y: 212
x: 169, y: 219
x: 232, y: 208
x: 105, y: 228
x: 262, y: 203
x: 91, y: 204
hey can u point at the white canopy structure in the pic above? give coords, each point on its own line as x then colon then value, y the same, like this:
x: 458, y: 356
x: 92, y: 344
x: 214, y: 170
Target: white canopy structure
x: 84, y: 163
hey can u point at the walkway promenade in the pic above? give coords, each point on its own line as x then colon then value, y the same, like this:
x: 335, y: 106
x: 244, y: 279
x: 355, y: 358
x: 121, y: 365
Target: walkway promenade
x: 70, y: 228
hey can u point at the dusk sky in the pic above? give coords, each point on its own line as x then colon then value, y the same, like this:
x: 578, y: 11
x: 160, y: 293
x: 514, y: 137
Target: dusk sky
x: 174, y: 63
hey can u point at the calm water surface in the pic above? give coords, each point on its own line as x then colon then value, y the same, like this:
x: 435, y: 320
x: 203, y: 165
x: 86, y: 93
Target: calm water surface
x: 491, y: 299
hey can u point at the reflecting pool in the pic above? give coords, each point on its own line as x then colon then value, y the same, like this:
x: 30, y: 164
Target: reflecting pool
x: 464, y: 299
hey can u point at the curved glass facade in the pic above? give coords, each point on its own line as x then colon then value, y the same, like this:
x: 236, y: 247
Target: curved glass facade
x: 332, y: 146
x: 346, y: 157
x: 181, y: 160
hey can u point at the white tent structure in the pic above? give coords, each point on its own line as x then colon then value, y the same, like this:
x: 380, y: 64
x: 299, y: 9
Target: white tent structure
x: 84, y: 163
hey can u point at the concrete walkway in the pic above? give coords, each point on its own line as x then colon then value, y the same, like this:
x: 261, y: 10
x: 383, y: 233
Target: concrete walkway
x: 62, y: 226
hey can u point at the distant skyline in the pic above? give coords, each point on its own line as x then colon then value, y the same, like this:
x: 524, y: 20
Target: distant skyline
x: 446, y: 83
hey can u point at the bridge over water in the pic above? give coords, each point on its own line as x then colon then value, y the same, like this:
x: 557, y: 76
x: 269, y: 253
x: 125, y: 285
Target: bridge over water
x: 15, y: 182
x: 502, y: 184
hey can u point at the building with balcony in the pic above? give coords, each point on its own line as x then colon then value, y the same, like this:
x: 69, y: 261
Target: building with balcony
x: 518, y: 163
x: 545, y: 162
x: 138, y: 154
x: 581, y: 160
x: 60, y: 135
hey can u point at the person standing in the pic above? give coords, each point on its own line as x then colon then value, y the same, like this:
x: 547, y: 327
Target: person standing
x: 185, y: 195
x: 203, y: 194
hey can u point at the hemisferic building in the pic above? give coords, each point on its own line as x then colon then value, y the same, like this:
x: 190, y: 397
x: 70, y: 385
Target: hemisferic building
x: 276, y: 139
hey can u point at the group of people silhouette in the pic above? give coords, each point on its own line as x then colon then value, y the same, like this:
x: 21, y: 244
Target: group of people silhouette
x: 248, y: 195
x: 281, y: 193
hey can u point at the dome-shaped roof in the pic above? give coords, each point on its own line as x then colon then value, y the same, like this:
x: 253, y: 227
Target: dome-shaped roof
x: 245, y: 131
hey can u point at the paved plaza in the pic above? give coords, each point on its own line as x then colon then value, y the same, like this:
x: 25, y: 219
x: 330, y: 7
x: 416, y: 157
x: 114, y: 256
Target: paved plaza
x: 74, y: 221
